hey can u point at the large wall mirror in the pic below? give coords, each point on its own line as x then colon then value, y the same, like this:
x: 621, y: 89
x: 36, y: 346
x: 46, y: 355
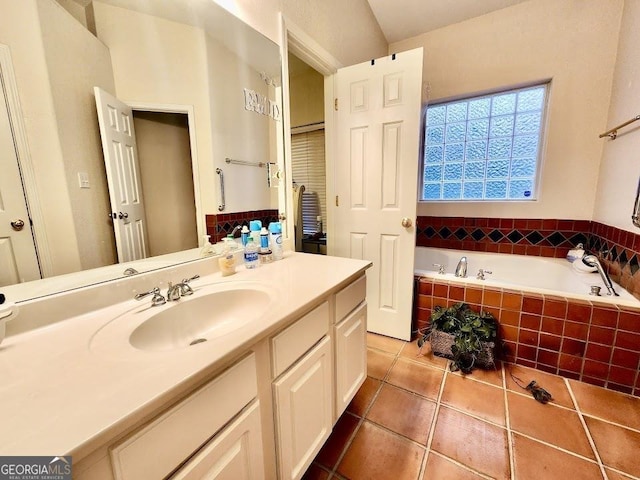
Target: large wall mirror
x: 206, y: 98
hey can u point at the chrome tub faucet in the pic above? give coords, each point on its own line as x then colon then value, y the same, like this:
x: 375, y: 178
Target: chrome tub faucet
x: 461, y: 269
x: 592, y: 261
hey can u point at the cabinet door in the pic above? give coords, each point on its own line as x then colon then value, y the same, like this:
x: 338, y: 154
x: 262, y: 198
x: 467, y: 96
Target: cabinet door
x: 303, y: 399
x: 233, y: 454
x: 351, y: 357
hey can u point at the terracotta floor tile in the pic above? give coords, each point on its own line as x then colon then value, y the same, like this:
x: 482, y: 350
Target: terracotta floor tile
x: 607, y: 404
x: 554, y: 384
x: 314, y: 472
x: 475, y: 443
x: 378, y: 363
x: 536, y: 461
x: 439, y: 468
x: 377, y: 453
x: 618, y: 447
x: 363, y: 397
x: 494, y: 377
x: 420, y: 379
x: 476, y: 398
x: 403, y: 412
x: 333, y: 447
x: 551, y: 424
x: 386, y: 344
x: 615, y: 475
x: 412, y: 352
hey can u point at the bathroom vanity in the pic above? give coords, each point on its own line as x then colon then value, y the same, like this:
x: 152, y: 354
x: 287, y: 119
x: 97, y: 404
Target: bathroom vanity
x: 243, y: 379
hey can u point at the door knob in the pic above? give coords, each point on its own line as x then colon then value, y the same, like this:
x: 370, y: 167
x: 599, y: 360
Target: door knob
x: 406, y: 222
x: 282, y: 217
x: 17, y: 225
x: 123, y: 215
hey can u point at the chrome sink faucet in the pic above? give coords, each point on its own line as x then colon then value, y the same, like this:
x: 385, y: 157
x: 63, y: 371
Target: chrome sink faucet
x: 182, y: 289
x: 461, y: 269
x: 157, y: 298
x: 592, y: 261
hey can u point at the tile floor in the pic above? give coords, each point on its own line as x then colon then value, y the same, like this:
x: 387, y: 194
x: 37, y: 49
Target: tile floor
x: 413, y: 419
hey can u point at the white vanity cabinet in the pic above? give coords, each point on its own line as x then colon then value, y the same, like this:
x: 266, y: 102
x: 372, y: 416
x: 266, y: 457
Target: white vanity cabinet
x: 350, y: 334
x: 303, y: 391
x: 161, y: 446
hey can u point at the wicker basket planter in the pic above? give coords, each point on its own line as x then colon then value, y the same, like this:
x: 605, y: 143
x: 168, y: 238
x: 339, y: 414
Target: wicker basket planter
x: 441, y: 343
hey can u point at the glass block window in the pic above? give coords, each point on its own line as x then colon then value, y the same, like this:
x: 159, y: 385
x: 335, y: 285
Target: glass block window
x: 484, y: 148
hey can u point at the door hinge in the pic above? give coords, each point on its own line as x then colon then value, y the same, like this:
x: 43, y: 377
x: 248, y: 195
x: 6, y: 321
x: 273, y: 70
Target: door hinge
x: 337, y: 201
x: 335, y: 104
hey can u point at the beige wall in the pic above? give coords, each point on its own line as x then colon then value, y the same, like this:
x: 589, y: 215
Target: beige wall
x: 571, y: 42
x: 620, y: 165
x: 306, y: 93
x: 162, y: 62
x: 167, y: 181
x: 77, y: 62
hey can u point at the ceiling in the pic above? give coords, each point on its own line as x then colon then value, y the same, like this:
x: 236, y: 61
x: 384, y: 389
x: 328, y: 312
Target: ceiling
x: 402, y: 19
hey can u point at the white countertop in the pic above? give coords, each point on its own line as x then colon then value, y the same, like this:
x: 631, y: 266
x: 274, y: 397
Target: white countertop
x: 64, y: 390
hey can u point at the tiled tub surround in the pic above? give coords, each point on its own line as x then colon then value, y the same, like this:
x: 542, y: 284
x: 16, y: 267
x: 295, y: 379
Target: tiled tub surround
x: 220, y: 225
x: 590, y: 341
x: 540, y: 237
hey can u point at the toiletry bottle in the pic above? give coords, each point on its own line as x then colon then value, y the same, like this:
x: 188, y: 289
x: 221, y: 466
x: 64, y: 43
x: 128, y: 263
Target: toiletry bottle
x: 319, y: 224
x: 255, y: 226
x: 244, y: 234
x: 251, y: 254
x: 227, y: 261
x: 207, y: 248
x: 276, y: 240
x: 265, y: 252
x: 576, y: 253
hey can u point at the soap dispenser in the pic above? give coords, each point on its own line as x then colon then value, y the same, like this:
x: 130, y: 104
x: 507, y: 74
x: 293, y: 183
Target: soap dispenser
x: 207, y: 248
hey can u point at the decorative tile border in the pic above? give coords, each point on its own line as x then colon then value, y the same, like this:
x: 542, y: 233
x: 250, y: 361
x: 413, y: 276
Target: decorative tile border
x: 618, y: 249
x: 594, y: 342
x: 219, y: 226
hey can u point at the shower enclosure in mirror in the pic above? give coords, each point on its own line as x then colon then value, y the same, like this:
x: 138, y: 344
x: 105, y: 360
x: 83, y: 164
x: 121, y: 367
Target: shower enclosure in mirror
x: 203, y: 86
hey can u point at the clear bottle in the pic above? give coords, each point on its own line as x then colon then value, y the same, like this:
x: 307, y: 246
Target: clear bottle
x: 276, y: 240
x: 251, y: 254
x: 207, y: 248
x: 227, y: 260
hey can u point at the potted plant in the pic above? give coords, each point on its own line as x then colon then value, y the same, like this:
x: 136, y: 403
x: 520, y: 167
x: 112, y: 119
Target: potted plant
x: 463, y: 335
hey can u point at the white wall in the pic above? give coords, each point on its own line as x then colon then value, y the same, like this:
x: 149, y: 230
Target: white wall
x: 571, y: 42
x: 620, y: 165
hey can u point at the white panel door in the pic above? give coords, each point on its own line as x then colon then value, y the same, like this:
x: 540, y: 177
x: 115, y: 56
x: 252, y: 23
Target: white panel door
x: 376, y: 174
x: 18, y: 260
x: 123, y: 176
x: 304, y: 410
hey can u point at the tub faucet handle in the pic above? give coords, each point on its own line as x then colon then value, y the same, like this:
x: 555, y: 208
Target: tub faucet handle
x: 482, y: 272
x: 441, y: 268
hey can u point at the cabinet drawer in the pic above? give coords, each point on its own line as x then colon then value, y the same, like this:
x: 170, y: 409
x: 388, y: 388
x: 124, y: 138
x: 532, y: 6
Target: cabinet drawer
x: 236, y: 452
x: 158, y: 448
x: 350, y: 297
x: 293, y: 342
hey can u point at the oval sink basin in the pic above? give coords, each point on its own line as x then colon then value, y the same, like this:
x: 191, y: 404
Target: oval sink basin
x: 195, y: 319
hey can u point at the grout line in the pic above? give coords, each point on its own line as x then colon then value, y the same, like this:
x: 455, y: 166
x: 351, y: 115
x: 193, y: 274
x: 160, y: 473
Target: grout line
x: 624, y: 474
x: 551, y: 403
x: 512, y: 461
x: 432, y: 427
x: 588, y: 433
x: 462, y: 465
x: 556, y: 447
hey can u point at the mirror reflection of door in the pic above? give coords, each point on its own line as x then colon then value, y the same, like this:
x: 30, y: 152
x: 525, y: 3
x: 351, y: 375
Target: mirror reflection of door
x: 306, y: 87
x: 149, y: 175
x: 18, y: 259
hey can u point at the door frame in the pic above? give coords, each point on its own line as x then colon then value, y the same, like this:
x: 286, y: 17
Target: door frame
x: 298, y: 42
x: 191, y: 119
x: 25, y: 163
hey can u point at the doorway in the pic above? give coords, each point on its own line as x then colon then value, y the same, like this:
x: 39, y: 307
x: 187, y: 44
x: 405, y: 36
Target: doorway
x: 308, y: 164
x: 164, y: 154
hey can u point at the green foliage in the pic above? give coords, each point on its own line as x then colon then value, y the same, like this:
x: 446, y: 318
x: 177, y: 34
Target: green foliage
x: 470, y: 330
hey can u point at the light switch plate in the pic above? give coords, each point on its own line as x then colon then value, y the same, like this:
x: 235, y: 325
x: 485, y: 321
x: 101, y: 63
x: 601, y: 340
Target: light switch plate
x: 83, y: 180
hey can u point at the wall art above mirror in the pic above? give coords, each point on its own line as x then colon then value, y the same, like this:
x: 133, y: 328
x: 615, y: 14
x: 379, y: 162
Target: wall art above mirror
x: 184, y: 67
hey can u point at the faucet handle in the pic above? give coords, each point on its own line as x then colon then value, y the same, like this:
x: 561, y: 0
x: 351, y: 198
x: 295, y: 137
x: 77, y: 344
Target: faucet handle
x: 157, y: 298
x: 185, y: 288
x: 481, y: 273
x: 441, y: 268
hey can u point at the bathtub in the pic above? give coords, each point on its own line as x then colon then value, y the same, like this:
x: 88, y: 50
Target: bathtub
x: 550, y: 276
